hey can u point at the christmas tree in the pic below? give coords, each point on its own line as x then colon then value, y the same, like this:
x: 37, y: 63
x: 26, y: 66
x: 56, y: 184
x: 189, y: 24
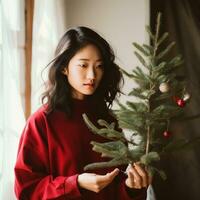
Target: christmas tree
x: 160, y: 97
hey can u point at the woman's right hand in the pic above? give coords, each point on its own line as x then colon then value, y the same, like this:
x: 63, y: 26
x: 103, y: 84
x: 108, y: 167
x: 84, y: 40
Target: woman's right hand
x: 95, y: 182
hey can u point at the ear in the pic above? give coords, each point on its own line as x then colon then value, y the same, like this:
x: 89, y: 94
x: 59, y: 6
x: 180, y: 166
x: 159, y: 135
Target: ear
x: 64, y: 71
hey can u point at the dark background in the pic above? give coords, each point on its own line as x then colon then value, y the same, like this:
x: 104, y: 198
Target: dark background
x: 181, y: 18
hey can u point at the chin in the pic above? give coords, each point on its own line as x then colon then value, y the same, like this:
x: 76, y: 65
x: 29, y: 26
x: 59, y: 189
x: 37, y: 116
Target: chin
x: 88, y: 93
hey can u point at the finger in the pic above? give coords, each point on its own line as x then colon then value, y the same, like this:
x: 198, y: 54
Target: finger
x: 113, y: 173
x: 136, y: 177
x: 130, y: 180
x: 108, y: 177
x: 103, y: 180
x: 142, y: 173
x: 148, y: 174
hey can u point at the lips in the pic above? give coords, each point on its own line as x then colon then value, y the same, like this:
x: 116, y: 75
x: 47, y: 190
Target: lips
x: 89, y: 84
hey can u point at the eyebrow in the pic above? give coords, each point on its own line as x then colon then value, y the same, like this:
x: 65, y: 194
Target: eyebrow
x: 85, y: 59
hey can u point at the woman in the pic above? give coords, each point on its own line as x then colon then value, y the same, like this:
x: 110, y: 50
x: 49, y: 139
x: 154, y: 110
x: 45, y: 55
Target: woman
x: 55, y: 144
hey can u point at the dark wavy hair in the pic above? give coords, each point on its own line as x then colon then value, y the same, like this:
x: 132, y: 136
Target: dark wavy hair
x: 58, y: 94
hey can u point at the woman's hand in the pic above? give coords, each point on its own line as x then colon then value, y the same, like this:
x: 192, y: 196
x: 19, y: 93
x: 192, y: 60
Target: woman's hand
x: 95, y: 182
x: 137, y: 177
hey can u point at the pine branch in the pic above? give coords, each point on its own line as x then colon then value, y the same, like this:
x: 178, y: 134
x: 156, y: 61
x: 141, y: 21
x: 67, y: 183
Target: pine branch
x: 141, y: 59
x: 104, y: 132
x: 113, y: 163
x: 141, y: 49
x: 149, y: 157
x: 156, y: 35
x: 148, y: 48
x: 164, y: 36
x: 164, y: 52
x: 151, y: 35
x: 111, y: 149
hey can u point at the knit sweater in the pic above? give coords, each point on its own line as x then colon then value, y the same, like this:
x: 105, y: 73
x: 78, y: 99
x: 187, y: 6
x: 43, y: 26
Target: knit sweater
x: 53, y: 151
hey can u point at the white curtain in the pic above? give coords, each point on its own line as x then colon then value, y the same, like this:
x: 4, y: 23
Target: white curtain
x: 49, y: 23
x: 11, y: 112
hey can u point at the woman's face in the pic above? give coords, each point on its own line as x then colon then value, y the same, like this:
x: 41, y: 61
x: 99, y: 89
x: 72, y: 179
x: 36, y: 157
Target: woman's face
x: 84, y: 71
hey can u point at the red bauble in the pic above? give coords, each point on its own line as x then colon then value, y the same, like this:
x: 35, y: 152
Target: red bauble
x: 180, y: 102
x: 167, y: 134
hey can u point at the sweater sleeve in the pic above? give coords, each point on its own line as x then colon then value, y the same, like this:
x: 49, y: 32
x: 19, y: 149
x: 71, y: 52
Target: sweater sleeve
x: 33, y: 179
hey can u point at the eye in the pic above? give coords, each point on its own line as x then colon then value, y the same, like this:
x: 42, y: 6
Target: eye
x: 82, y: 65
x: 100, y: 66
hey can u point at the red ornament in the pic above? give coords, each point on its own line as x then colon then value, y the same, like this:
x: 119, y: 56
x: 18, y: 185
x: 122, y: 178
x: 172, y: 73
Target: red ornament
x: 180, y: 102
x: 167, y: 134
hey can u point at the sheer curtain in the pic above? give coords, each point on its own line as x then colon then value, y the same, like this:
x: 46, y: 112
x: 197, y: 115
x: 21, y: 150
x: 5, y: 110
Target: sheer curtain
x: 11, y: 110
x: 49, y: 23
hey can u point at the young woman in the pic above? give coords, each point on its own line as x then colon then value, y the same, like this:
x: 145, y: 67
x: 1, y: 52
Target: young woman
x: 55, y: 144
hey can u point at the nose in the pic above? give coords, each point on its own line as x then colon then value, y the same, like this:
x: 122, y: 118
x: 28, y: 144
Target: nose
x: 91, y: 74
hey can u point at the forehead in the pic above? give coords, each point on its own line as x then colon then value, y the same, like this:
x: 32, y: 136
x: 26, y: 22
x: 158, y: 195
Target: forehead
x: 89, y: 52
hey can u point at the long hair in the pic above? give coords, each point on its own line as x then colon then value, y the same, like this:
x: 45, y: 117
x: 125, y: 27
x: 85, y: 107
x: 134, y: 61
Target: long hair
x: 58, y: 94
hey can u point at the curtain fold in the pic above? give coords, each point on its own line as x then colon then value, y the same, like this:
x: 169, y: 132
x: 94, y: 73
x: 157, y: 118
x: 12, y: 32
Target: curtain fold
x: 182, y: 20
x: 11, y: 110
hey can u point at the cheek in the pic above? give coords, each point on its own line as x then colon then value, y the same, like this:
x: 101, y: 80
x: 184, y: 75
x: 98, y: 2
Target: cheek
x: 75, y: 75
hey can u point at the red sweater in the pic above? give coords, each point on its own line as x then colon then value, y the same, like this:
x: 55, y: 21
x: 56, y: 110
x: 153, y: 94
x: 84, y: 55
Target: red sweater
x: 53, y: 150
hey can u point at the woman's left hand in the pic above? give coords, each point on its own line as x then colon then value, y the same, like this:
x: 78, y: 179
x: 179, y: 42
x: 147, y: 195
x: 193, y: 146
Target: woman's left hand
x: 137, y: 177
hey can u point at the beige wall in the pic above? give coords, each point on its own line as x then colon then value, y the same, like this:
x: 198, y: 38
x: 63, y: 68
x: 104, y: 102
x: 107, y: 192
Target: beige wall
x: 121, y: 22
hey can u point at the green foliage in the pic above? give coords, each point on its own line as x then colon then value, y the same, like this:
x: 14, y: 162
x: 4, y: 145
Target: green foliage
x: 151, y: 114
x: 150, y: 157
x: 110, y: 149
x: 112, y: 163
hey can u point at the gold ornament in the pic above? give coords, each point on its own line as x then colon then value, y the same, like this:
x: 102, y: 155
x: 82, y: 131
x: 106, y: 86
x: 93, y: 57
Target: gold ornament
x: 164, y: 87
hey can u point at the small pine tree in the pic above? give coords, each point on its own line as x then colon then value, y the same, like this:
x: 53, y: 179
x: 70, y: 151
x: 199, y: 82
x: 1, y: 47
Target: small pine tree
x: 160, y: 96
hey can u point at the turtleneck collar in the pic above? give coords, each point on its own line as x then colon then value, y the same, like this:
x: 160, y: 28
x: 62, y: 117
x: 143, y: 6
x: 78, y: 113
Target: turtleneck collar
x: 81, y: 102
x: 82, y: 105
